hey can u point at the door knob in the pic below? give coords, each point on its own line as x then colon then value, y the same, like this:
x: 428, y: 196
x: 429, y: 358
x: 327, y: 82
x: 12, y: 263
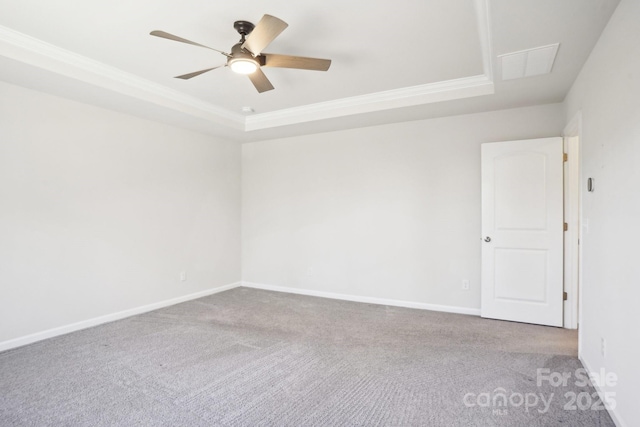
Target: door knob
x: 487, y: 239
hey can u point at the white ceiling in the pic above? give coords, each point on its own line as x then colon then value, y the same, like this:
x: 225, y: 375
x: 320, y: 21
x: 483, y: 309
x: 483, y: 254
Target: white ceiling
x: 392, y: 61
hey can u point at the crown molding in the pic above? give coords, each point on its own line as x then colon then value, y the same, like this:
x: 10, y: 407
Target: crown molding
x: 404, y: 97
x: 35, y: 52
x: 484, y: 33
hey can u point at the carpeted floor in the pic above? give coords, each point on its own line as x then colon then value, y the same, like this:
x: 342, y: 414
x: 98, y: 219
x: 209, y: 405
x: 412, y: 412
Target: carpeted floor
x: 247, y: 357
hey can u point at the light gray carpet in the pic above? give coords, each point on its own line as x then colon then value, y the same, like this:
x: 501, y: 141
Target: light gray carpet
x: 247, y: 357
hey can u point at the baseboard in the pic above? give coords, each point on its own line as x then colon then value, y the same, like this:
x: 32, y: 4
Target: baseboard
x: 61, y: 330
x: 369, y: 300
x: 614, y: 416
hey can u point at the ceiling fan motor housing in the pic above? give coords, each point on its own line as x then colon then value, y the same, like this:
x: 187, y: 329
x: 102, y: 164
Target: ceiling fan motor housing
x: 240, y: 55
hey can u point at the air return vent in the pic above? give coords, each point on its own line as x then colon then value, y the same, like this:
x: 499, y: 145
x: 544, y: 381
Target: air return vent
x: 527, y: 63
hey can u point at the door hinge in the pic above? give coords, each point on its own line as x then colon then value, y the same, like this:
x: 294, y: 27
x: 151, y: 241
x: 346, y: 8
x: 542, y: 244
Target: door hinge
x: 566, y: 226
x: 565, y: 157
x: 564, y: 296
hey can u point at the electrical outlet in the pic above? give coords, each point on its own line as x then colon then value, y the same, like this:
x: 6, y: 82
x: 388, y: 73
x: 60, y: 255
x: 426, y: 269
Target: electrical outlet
x: 465, y: 285
x: 310, y: 271
x: 603, y: 347
x: 183, y: 276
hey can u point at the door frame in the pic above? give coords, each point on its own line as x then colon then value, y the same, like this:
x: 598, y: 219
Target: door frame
x: 573, y: 216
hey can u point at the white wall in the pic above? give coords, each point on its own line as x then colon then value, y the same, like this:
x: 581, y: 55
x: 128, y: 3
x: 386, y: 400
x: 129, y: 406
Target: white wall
x: 607, y: 92
x: 388, y: 212
x: 100, y: 211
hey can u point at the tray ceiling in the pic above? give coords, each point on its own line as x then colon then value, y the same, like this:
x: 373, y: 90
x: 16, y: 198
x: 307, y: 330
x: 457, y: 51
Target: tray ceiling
x: 386, y: 56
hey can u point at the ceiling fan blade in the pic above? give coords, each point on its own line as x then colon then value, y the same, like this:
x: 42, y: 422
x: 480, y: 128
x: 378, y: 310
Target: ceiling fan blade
x: 196, y: 73
x: 260, y: 81
x: 299, y: 62
x: 265, y: 31
x: 166, y: 35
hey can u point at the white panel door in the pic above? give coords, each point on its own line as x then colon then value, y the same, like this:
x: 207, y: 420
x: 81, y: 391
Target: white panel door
x: 522, y: 231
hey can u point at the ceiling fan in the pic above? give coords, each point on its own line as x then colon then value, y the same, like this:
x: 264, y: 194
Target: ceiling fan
x: 246, y: 56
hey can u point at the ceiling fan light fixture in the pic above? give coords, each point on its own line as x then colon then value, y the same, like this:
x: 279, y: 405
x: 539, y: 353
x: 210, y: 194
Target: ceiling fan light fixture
x: 243, y: 65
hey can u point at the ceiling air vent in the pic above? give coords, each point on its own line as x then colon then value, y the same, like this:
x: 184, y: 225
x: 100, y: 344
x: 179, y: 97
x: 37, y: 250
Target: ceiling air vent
x: 527, y: 63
